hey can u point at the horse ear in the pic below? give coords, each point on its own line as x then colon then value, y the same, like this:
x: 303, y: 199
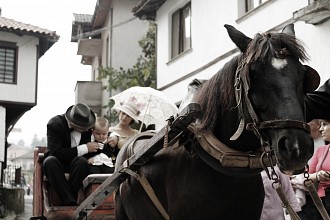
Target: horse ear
x: 311, y: 80
x: 238, y: 38
x: 289, y: 29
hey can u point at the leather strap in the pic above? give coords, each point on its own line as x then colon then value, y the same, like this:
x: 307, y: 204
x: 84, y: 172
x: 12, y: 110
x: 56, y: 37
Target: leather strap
x: 279, y: 124
x: 316, y: 199
x: 286, y: 204
x: 141, y: 177
x: 228, y: 157
x: 149, y: 190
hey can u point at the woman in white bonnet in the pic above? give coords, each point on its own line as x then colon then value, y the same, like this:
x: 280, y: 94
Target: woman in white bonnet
x: 128, y: 113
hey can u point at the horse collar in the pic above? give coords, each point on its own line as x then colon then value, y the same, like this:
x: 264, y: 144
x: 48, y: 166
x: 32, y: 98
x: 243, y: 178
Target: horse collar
x: 227, y: 160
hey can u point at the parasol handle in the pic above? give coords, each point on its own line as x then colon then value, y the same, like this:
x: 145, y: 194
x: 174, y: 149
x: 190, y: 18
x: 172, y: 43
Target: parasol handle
x: 145, y: 114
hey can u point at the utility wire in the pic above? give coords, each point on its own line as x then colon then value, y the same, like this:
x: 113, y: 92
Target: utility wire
x: 98, y: 31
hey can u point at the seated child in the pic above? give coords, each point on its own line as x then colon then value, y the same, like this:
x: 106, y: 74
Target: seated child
x: 103, y: 160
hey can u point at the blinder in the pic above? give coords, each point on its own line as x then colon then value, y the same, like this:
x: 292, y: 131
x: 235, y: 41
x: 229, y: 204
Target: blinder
x: 311, y: 80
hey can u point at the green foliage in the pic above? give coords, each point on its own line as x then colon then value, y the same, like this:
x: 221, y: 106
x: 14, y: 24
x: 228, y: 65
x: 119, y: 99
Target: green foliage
x: 143, y: 73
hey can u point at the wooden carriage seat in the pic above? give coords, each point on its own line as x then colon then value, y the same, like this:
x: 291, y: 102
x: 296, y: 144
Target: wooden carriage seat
x: 47, y: 203
x: 90, y: 184
x: 50, y: 196
x: 45, y: 200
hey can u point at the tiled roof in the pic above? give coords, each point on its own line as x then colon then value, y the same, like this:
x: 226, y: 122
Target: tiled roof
x: 46, y: 37
x: 11, y: 25
x: 83, y: 22
x: 82, y: 18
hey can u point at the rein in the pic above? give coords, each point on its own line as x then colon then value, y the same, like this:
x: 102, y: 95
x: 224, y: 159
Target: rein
x: 242, y: 88
x: 309, y: 184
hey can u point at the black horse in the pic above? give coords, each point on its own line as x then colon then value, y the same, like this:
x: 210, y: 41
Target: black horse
x: 262, y: 89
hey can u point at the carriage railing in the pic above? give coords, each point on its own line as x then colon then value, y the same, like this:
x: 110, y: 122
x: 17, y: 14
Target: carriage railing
x: 144, y: 154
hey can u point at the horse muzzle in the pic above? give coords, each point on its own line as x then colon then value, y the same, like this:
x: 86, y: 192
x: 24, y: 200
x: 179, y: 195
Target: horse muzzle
x: 293, y: 149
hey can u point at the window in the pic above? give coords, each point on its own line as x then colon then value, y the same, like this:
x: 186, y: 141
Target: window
x: 8, y: 54
x: 181, y: 30
x: 251, y: 4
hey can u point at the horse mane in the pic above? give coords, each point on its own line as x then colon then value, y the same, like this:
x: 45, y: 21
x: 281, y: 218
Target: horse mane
x: 268, y: 45
x: 217, y: 94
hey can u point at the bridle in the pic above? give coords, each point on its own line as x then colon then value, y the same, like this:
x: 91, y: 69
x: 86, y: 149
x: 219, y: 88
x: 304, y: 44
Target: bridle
x: 243, y: 163
x: 242, y: 87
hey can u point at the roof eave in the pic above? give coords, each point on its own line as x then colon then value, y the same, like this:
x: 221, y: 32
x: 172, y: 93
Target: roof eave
x: 46, y: 41
x: 101, y: 11
x: 147, y: 9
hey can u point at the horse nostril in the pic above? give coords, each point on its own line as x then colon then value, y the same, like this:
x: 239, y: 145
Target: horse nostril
x: 288, y: 147
x: 283, y: 144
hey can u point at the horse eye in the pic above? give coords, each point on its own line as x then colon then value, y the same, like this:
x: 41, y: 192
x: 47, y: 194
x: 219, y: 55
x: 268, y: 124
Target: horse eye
x: 253, y: 74
x: 259, y: 104
x: 262, y: 108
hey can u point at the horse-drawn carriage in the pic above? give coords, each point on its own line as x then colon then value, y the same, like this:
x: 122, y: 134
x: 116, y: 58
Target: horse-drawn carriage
x: 252, y: 116
x: 47, y: 204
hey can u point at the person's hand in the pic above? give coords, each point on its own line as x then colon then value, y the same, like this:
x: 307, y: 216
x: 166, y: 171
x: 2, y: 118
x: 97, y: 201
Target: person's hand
x: 90, y: 161
x: 293, y: 181
x: 92, y: 146
x: 323, y: 176
x: 113, y: 141
x: 297, y: 181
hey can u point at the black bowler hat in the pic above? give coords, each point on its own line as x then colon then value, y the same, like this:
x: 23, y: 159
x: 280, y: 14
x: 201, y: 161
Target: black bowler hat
x: 80, y: 115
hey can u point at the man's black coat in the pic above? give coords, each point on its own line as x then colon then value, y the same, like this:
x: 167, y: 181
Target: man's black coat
x: 59, y: 140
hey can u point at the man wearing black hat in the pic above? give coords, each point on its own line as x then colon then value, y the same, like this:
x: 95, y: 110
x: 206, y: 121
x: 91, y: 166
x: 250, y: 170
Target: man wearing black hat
x: 69, y: 138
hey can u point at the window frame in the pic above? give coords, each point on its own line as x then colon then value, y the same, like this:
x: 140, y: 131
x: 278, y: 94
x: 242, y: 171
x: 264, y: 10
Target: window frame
x: 243, y: 12
x: 14, y: 48
x: 179, y: 41
x: 249, y: 4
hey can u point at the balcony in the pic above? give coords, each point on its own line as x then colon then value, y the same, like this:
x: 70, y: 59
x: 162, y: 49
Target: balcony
x: 315, y: 13
x: 89, y: 49
x: 89, y: 93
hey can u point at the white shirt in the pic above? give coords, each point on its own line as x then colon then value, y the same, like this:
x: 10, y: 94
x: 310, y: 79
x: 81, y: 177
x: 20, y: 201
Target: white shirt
x: 75, y: 139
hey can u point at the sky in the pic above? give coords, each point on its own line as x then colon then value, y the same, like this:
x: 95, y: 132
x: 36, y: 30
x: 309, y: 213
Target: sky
x: 59, y: 68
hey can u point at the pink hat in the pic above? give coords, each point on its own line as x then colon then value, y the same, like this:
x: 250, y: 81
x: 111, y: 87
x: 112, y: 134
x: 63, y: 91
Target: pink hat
x: 130, y: 109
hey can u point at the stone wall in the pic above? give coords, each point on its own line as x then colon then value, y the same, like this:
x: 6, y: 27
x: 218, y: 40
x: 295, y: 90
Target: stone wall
x: 12, y: 200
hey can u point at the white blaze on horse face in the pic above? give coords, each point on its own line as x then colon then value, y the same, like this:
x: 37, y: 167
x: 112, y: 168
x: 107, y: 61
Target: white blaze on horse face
x: 279, y: 63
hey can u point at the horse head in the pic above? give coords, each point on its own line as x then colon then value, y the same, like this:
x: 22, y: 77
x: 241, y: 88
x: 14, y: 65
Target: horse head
x: 272, y: 82
x: 256, y: 101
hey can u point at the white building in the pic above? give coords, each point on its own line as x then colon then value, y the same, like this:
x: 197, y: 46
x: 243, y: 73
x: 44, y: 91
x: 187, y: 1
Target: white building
x: 21, y: 46
x: 193, y: 43
x: 108, y: 38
